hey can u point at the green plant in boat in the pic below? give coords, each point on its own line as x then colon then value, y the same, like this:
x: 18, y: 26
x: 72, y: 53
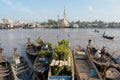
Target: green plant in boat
x: 46, y: 54
x: 61, y: 70
x: 62, y: 50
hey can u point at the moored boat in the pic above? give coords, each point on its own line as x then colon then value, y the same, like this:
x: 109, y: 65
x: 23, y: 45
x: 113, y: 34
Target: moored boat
x: 21, y: 69
x: 31, y: 49
x: 42, y: 62
x: 62, y: 66
x: 105, y: 62
x: 85, y: 69
x: 5, y: 68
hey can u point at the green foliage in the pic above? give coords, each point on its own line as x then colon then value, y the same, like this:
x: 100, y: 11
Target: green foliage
x: 61, y: 70
x: 67, y: 70
x: 64, y: 42
x: 52, y: 22
x: 62, y: 50
x: 56, y: 70
x: 46, y: 54
x: 44, y: 23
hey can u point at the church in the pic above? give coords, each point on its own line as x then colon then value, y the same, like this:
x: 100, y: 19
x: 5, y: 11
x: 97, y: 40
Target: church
x: 63, y: 22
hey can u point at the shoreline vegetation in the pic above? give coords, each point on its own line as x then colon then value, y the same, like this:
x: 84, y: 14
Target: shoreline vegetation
x: 56, y: 25
x: 63, y: 28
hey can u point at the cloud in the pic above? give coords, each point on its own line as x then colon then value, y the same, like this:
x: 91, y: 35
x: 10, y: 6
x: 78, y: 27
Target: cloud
x: 8, y: 2
x: 18, y: 7
x: 90, y: 8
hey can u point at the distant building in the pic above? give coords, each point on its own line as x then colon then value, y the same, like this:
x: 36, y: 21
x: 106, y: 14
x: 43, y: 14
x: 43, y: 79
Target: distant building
x: 63, y: 22
x: 18, y: 24
x: 30, y: 25
x: 7, y: 23
x: 75, y: 25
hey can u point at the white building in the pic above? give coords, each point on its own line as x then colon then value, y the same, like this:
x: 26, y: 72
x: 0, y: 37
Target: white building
x: 7, y: 23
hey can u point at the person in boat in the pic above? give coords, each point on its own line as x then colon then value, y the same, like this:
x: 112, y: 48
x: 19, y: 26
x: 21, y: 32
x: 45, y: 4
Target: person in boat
x: 98, y: 55
x: 104, y: 50
x: 90, y: 48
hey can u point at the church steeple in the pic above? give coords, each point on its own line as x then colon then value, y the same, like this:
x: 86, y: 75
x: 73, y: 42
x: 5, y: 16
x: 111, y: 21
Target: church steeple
x: 63, y: 22
x: 64, y: 13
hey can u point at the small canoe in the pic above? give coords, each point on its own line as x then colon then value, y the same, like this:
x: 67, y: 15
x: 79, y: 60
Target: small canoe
x: 108, y: 37
x: 31, y: 49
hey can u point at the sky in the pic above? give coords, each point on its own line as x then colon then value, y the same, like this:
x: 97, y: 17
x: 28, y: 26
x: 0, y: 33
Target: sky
x: 42, y: 10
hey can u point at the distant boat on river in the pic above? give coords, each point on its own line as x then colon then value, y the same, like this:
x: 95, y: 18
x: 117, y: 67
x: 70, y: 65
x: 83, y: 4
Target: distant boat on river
x: 108, y: 37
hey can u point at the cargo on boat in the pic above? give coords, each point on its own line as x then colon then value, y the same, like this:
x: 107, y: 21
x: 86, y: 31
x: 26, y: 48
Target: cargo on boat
x: 62, y: 65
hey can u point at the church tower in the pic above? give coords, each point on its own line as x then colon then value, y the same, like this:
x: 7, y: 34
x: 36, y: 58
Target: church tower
x: 65, y: 21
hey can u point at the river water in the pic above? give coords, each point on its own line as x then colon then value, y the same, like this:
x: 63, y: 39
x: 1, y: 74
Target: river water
x: 18, y: 38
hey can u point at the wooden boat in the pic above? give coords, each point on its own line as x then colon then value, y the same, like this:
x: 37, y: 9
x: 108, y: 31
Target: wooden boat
x: 31, y: 49
x: 108, y: 37
x: 43, y: 59
x: 85, y: 69
x: 5, y: 68
x: 105, y: 63
x: 21, y: 69
x: 62, y: 67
